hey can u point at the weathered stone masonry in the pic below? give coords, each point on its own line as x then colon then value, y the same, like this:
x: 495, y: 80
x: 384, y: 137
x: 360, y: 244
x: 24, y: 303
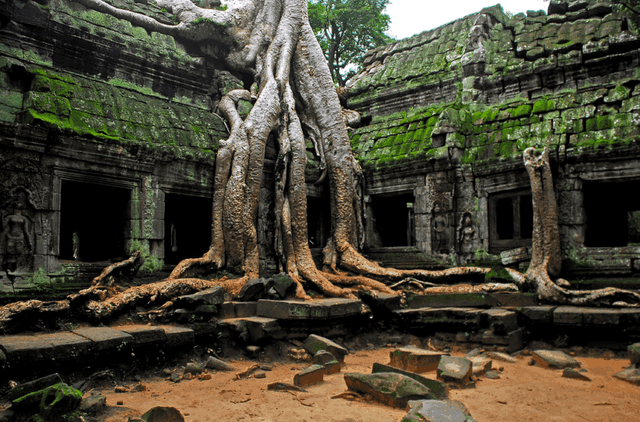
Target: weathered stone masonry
x: 451, y: 111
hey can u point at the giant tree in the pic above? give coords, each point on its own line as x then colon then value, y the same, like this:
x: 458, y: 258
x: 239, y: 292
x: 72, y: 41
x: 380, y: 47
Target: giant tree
x: 346, y: 30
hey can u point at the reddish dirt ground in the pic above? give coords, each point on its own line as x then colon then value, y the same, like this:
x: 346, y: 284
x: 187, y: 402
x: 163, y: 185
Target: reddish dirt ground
x: 523, y: 393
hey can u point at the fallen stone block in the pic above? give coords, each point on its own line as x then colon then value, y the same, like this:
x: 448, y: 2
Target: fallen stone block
x: 415, y: 360
x: 284, y: 285
x: 315, y: 343
x: 29, y: 387
x: 93, y: 404
x: 212, y: 296
x: 281, y: 386
x: 163, y: 414
x: 327, y: 360
x: 480, y: 365
x: 634, y: 353
x: 572, y: 373
x: 437, y: 411
x: 453, y: 369
x: 631, y: 375
x: 193, y: 368
x: 438, y: 388
x: 311, y: 375
x: 502, y: 357
x: 554, y: 359
x: 218, y: 365
x: 253, y: 289
x: 392, y: 389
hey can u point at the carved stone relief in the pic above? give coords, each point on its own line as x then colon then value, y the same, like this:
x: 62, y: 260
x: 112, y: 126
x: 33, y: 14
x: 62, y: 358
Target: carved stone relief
x: 17, y: 245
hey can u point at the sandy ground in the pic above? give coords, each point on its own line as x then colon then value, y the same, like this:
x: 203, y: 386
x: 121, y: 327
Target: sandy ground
x: 523, y: 393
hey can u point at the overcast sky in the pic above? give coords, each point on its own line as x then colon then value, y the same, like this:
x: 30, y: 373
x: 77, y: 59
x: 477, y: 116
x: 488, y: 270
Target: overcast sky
x: 410, y: 17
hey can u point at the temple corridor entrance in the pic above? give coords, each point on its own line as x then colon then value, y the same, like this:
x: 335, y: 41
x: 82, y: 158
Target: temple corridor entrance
x: 93, y: 221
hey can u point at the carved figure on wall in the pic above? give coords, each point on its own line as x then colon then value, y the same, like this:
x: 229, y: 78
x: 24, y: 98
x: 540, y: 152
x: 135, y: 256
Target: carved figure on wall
x: 16, y: 242
x: 466, y: 233
x: 440, y: 232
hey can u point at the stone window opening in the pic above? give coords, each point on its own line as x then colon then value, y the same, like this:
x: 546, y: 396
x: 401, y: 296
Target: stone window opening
x: 613, y: 213
x: 394, y: 219
x: 187, y: 230
x: 510, y: 220
x: 93, y: 221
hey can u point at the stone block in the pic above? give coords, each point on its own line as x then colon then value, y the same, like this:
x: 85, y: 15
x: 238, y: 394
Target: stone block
x: 388, y: 301
x: 631, y: 375
x: 542, y: 313
x: 67, y: 345
x: 105, y: 338
x: 554, y: 359
x: 227, y: 310
x: 501, y: 321
x: 567, y: 315
x: 253, y: 289
x: 315, y: 343
x: 322, y: 309
x: 438, y: 388
x: 445, y: 300
x: 480, y: 364
x: 435, y: 410
x: 284, y: 285
x: 456, y: 370
x: 512, y: 300
x: 25, y: 348
x: 415, y: 360
x: 454, y: 319
x: 144, y: 335
x: 389, y: 388
x: 212, y: 296
x: 327, y: 360
x: 178, y: 336
x: 245, y: 309
x: 512, y: 341
x: 599, y: 316
x: 313, y: 374
x: 32, y: 386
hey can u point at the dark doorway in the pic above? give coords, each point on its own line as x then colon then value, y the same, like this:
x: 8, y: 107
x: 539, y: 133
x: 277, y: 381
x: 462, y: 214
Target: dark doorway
x: 394, y: 219
x: 92, y: 221
x: 612, y: 210
x: 187, y: 227
x: 510, y: 220
x: 318, y: 221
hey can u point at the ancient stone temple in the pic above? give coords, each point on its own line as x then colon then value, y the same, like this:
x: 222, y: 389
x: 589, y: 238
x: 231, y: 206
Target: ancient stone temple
x: 450, y: 111
x: 108, y: 136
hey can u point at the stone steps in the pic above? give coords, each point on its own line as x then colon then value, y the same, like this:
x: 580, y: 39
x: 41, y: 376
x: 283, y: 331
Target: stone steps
x: 490, y: 323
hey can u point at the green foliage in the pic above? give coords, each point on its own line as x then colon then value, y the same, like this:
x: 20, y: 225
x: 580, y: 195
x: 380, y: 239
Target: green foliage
x: 40, y: 280
x: 346, y: 30
x: 632, y: 9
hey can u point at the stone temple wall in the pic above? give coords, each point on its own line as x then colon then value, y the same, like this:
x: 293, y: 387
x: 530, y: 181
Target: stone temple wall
x: 107, y: 143
x: 450, y: 111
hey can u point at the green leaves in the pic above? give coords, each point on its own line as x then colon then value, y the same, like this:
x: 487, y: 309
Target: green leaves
x: 346, y: 30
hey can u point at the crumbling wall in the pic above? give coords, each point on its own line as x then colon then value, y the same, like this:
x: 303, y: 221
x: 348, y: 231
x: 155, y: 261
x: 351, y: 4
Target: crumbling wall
x: 461, y: 103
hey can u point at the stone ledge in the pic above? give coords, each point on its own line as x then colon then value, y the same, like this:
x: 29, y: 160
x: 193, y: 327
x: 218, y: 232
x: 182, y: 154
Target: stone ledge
x: 324, y: 309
